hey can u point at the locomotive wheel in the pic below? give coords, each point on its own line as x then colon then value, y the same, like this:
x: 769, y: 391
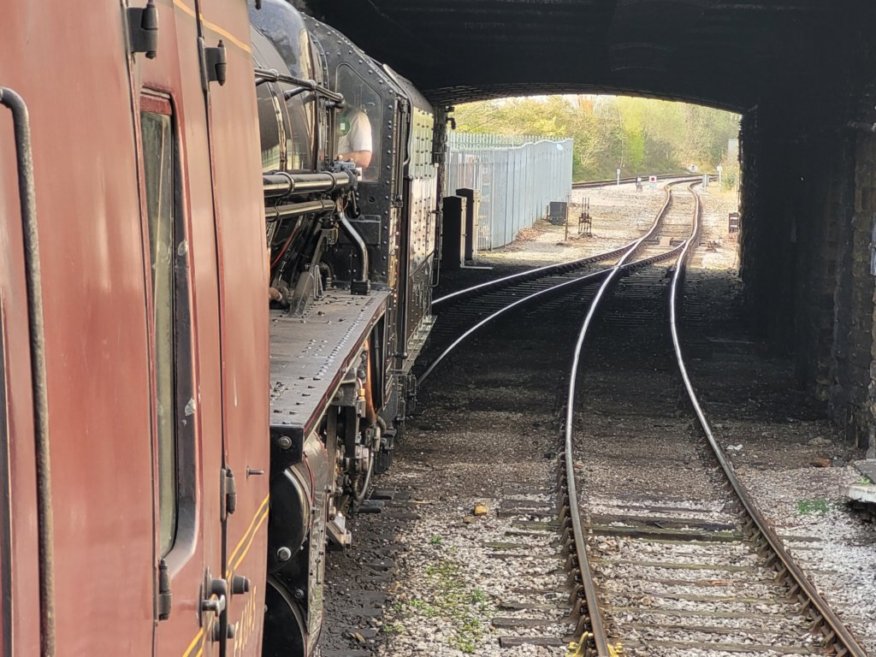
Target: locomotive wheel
x: 284, y: 633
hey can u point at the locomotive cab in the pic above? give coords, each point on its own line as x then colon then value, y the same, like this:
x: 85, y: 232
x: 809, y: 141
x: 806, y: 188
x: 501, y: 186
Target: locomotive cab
x: 396, y: 208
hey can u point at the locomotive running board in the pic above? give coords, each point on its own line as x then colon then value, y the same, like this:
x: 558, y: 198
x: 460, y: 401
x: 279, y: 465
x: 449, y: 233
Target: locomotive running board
x: 311, y: 353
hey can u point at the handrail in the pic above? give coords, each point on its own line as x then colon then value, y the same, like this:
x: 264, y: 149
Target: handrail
x: 45, y: 524
x: 273, y: 75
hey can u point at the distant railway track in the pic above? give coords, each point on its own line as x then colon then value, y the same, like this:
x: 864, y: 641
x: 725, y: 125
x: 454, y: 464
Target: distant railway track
x: 544, y: 273
x: 590, y: 184
x: 502, y: 295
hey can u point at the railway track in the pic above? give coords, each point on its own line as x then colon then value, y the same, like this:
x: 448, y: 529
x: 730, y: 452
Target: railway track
x: 529, y: 615
x: 499, y: 296
x: 664, y: 561
x: 670, y: 556
x: 358, y: 578
x: 623, y: 181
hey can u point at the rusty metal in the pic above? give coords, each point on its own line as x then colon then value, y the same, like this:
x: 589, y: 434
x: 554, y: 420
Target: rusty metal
x: 585, y: 220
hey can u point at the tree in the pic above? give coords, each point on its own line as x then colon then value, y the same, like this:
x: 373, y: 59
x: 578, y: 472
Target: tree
x: 640, y: 135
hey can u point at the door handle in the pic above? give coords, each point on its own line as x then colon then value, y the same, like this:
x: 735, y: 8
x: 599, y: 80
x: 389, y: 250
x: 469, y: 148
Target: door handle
x: 215, y: 595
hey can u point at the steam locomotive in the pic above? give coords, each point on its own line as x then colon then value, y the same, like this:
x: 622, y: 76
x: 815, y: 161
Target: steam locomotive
x: 219, y: 226
x: 358, y: 272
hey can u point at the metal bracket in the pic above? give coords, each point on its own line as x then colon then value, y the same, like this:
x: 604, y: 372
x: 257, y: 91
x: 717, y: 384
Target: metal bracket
x: 143, y: 29
x: 229, y: 492
x: 214, y: 63
x: 287, y: 449
x: 165, y: 597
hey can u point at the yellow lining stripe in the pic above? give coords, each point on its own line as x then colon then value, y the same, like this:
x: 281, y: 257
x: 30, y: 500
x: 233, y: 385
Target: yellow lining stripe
x: 218, y: 29
x: 253, y: 526
x: 228, y: 35
x: 235, y: 559
x: 195, y: 642
x: 233, y: 562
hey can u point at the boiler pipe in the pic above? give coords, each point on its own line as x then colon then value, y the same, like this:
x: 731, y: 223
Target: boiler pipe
x: 362, y: 285
x: 297, y: 209
x: 279, y: 184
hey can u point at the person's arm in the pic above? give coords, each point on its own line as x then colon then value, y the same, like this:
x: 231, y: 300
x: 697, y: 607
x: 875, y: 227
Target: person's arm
x: 360, y: 141
x: 359, y: 158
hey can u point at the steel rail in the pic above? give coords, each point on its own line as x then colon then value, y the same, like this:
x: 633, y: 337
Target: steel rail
x: 562, y: 267
x: 625, y: 267
x: 592, y: 276
x: 622, y: 267
x: 534, y: 273
x: 593, y: 184
x: 597, y: 632
x: 830, y: 624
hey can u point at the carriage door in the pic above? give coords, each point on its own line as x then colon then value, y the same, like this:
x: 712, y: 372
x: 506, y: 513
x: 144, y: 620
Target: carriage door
x: 190, y: 591
x: 238, y: 200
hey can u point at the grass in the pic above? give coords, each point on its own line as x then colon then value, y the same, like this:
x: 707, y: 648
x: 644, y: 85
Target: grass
x: 819, y: 505
x: 424, y: 608
x: 393, y: 629
x: 452, y: 599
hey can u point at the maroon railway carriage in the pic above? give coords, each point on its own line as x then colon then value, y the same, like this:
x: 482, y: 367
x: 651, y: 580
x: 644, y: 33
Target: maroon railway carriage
x: 175, y: 454
x: 136, y: 500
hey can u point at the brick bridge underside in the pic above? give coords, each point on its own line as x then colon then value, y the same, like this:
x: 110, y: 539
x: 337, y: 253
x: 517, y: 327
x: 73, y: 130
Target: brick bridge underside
x: 801, y: 72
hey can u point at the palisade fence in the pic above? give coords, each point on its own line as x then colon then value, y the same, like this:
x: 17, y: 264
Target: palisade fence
x: 517, y: 177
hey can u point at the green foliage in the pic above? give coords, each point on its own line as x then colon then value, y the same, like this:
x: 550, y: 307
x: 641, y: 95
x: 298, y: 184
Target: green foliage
x: 450, y: 598
x: 730, y: 174
x: 805, y: 507
x: 393, y: 629
x: 638, y: 135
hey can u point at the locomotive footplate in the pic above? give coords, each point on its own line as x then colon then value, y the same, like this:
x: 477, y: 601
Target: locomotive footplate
x: 310, y: 354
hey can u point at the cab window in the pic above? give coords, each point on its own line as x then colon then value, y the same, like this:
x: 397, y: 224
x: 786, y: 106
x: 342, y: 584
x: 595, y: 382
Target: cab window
x: 359, y: 123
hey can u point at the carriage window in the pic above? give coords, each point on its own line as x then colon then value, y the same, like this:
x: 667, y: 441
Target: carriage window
x: 159, y: 173
x: 359, y: 123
